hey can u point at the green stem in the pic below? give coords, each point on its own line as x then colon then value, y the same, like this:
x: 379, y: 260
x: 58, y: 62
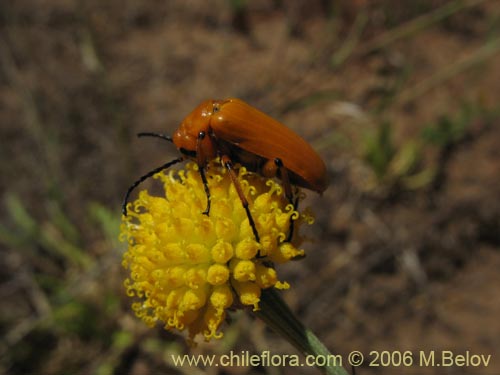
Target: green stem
x: 480, y: 56
x: 277, y: 315
x: 417, y: 24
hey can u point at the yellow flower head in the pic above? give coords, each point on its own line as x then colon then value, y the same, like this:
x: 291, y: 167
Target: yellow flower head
x: 186, y: 268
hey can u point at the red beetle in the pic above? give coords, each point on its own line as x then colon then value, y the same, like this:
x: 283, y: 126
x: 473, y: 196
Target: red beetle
x: 239, y: 133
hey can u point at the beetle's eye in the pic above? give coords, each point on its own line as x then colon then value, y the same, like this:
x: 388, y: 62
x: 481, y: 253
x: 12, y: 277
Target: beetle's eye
x: 216, y: 108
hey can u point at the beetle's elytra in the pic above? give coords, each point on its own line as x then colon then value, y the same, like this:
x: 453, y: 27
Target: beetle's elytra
x: 239, y: 133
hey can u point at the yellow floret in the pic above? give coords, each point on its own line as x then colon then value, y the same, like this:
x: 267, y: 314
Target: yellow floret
x: 187, y: 268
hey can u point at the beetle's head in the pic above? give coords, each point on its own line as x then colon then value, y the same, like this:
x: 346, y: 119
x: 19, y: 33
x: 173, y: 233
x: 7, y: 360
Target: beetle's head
x: 187, y: 135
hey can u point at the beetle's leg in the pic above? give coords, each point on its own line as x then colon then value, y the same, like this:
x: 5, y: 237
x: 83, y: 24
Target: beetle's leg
x: 284, y: 179
x: 201, y: 168
x: 228, y: 164
x: 292, y: 223
x: 143, y: 178
x: 287, y: 186
x: 207, y: 190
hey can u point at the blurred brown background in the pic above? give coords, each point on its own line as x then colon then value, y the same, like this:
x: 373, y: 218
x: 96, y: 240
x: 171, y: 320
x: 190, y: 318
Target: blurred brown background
x: 401, y: 99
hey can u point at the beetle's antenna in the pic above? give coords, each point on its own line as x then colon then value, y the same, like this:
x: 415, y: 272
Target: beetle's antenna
x: 157, y: 135
x: 143, y: 178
